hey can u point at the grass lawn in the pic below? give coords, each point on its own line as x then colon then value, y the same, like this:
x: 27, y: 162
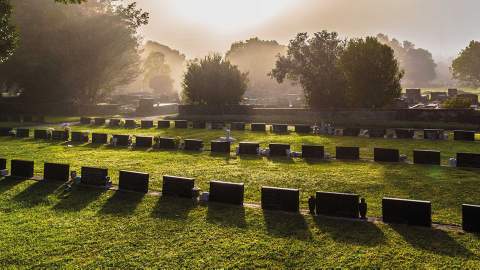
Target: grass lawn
x: 43, y: 227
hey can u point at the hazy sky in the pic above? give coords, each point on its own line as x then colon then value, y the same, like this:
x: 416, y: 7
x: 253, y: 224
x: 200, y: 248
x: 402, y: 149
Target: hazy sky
x: 197, y: 27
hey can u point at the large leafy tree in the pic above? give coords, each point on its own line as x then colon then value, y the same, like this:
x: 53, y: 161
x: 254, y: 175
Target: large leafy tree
x: 156, y: 74
x: 214, y: 81
x: 372, y: 73
x: 466, y: 67
x: 313, y: 63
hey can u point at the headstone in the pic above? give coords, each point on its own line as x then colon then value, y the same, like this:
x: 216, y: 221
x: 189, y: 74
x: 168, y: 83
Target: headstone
x: 220, y: 146
x: 94, y: 176
x: 193, y: 145
x: 223, y: 192
x: 80, y: 136
x: 60, y: 135
x: 146, y: 123
x: 217, y: 125
x: 280, y: 128
x: 468, y: 160
x: 248, y: 148
x: 354, y: 132
x: 386, y: 155
x: 114, y: 122
x: 181, y: 124
x: 343, y: 152
x: 85, y: 120
x: 3, y: 164
x: 122, y: 140
x: 99, y: 121
x: 313, y: 151
x: 167, y: 143
x: 376, y: 133
x: 99, y: 138
x: 133, y: 181
x: 130, y: 123
x: 143, y: 141
x: 433, y: 134
x: 21, y: 168
x: 278, y: 149
x: 178, y: 186
x: 40, y: 134
x: 464, y: 135
x: 56, y: 172
x: 23, y: 132
x: 411, y: 212
x: 404, y: 133
x: 258, y: 127
x: 5, y: 131
x: 428, y: 157
x: 280, y: 199
x: 163, y: 124
x: 471, y: 218
x: 304, y: 129
x: 337, y: 204
x: 237, y: 126
x: 199, y: 124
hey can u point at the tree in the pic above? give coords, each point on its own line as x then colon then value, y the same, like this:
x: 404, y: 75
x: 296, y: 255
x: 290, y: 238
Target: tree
x: 312, y: 62
x: 371, y: 72
x: 466, y: 67
x: 214, y: 81
x: 457, y: 103
x: 156, y: 74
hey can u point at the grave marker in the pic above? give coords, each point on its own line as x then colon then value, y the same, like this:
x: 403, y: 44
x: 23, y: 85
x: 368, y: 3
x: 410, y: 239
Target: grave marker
x: 60, y: 135
x: 258, y: 127
x: 237, y: 126
x: 114, y: 122
x: 411, y: 212
x: 427, y: 157
x: 130, y: 123
x: 220, y: 146
x: 386, y: 155
x: 122, y: 140
x: 468, y: 160
x: 351, y: 153
x: 99, y: 121
x: 353, y: 132
x: 193, y: 145
x: 280, y: 128
x: 94, y: 176
x: 41, y: 134
x: 280, y: 199
x: 199, y: 124
x: 337, y: 204
x: 313, y: 151
x: 21, y: 168
x: 402, y: 133
x: 178, y: 186
x: 217, y: 125
x: 56, y: 172
x: 376, y: 133
x: 463, y: 135
x: 248, y: 148
x: 223, y: 192
x: 167, y: 143
x: 304, y: 129
x: 146, y: 124
x: 471, y: 218
x: 433, y: 134
x: 85, y: 120
x: 5, y: 131
x: 99, y: 138
x: 143, y: 141
x: 133, y: 181
x: 80, y: 136
x: 23, y: 132
x: 3, y: 164
x: 163, y: 124
x: 278, y: 149
x: 181, y: 124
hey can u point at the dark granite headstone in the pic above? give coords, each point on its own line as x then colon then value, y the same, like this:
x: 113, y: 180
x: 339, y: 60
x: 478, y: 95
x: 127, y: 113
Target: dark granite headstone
x: 220, y: 146
x: 3, y: 164
x: 343, y: 152
x: 278, y: 149
x: 146, y: 123
x: 217, y: 125
x: 5, y: 131
x: 60, y: 135
x: 464, y: 135
x: 433, y: 134
x: 130, y: 123
x: 223, y: 192
x: 167, y: 143
x: 193, y: 145
x: 143, y: 141
x: 313, y: 151
x: 41, y: 134
x: 178, y: 186
x: 80, y: 136
x: 181, y: 124
x: 237, y: 126
x: 258, y: 127
x: 280, y: 128
x: 411, y: 212
x: 386, y: 155
x: 404, y: 133
x: 280, y: 199
x: 99, y: 138
x: 94, y: 176
x: 21, y: 168
x: 428, y: 157
x: 56, y: 172
x: 377, y: 133
x: 337, y: 204
x: 351, y: 132
x: 468, y: 160
x: 304, y: 129
x: 199, y: 124
x: 114, y: 122
x: 122, y: 140
x: 133, y: 181
x: 23, y: 132
x: 248, y: 148
x: 163, y: 124
x: 99, y: 121
x: 85, y: 120
x: 471, y: 218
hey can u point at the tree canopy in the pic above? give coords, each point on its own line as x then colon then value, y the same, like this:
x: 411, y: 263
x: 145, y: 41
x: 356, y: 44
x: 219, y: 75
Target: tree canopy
x: 214, y: 81
x: 156, y: 74
x: 466, y: 67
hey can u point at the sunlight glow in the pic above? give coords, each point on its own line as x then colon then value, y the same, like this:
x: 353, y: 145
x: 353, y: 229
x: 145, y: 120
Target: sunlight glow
x: 229, y: 15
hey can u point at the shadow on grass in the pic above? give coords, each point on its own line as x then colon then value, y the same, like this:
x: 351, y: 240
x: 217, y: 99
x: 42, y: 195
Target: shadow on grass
x: 432, y: 240
x: 314, y: 161
x: 94, y: 145
x: 173, y: 208
x: 226, y: 215
x: 122, y: 203
x: 351, y: 232
x: 283, y: 160
x: 77, y: 198
x: 37, y: 192
x: 285, y: 224
x: 8, y: 183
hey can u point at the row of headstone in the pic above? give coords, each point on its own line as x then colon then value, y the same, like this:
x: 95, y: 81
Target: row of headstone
x: 22, y: 118
x: 402, y: 133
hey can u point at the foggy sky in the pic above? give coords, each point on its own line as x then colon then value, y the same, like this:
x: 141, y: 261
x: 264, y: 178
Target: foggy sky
x: 442, y: 26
